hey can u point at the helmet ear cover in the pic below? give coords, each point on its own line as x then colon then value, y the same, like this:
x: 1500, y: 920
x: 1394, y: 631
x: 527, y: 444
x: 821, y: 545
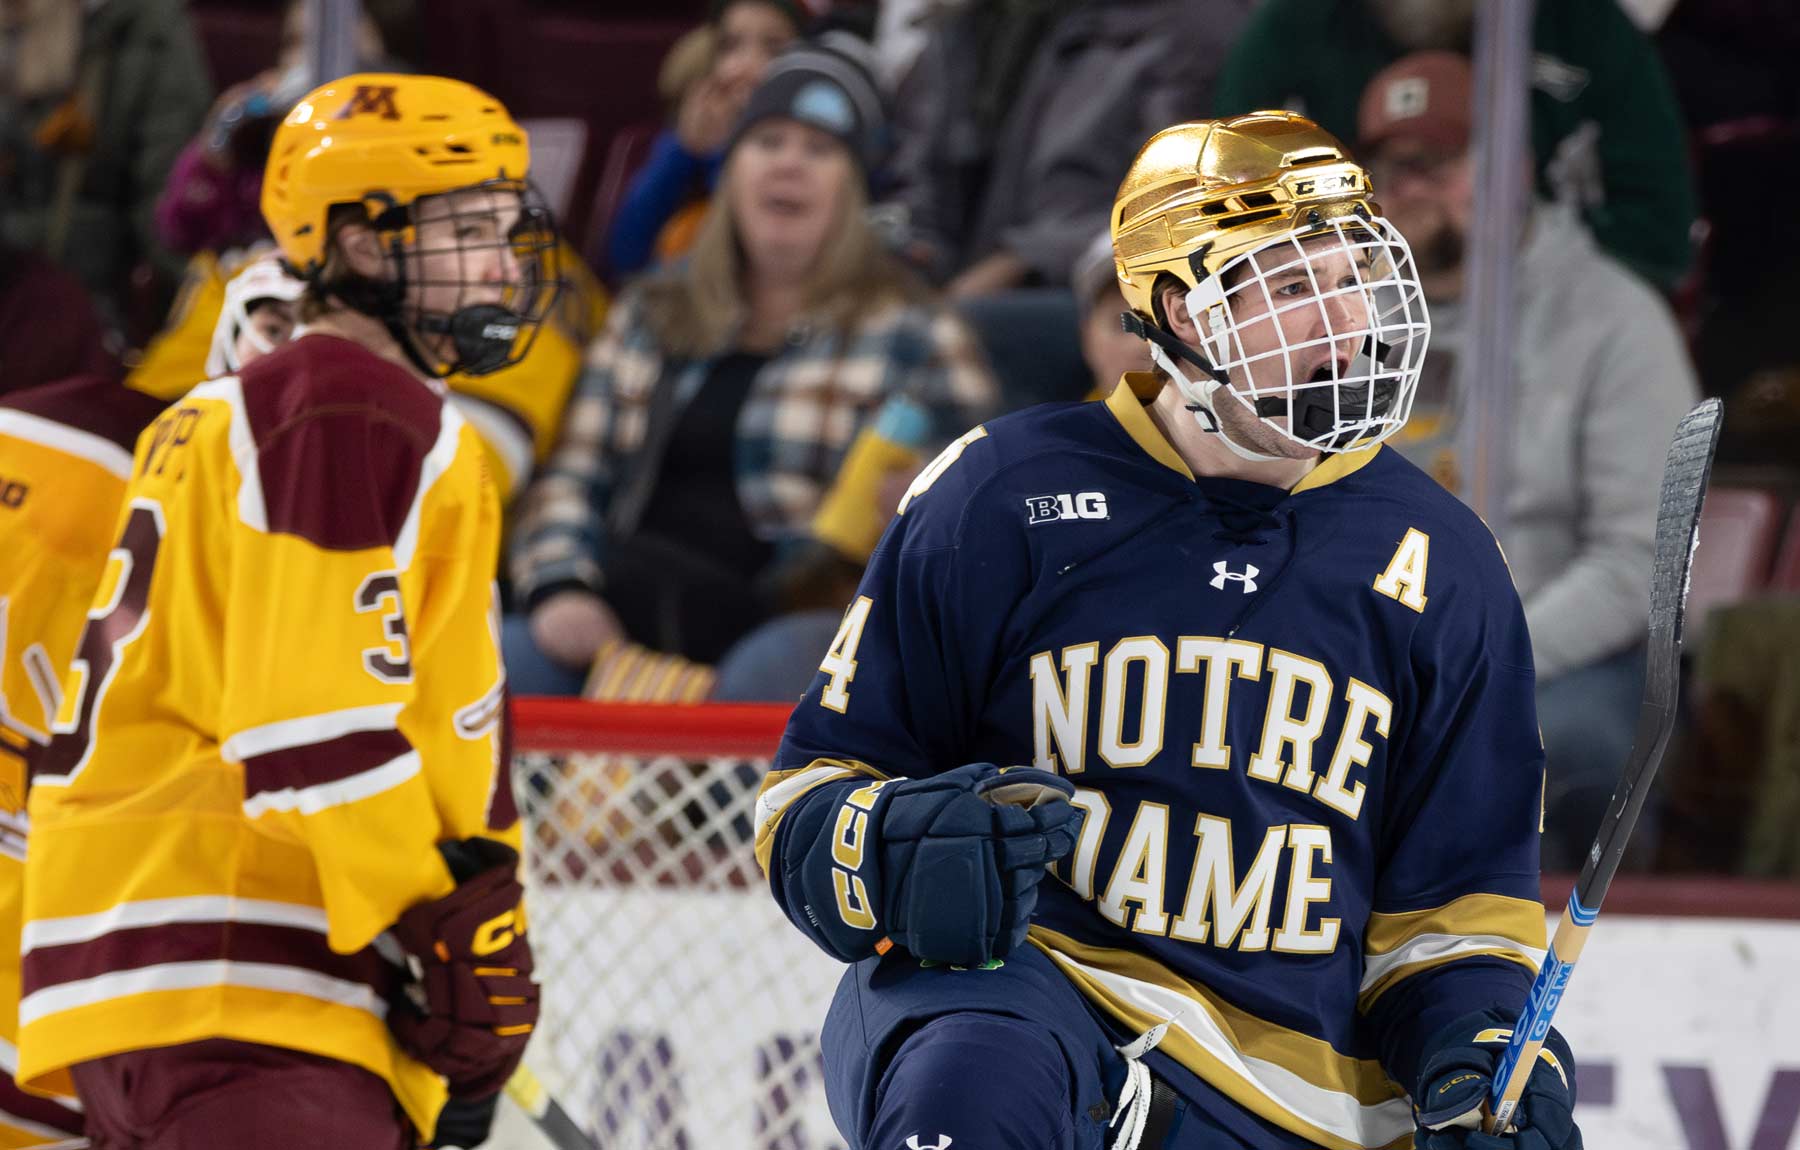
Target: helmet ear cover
x: 487, y: 336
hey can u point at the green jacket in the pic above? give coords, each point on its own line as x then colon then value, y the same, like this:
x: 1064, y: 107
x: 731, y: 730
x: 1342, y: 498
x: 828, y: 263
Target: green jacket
x: 153, y: 94
x: 1593, y: 71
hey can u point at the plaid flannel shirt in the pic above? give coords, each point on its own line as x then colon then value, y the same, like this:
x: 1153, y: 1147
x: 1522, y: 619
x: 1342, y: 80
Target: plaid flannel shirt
x: 803, y: 411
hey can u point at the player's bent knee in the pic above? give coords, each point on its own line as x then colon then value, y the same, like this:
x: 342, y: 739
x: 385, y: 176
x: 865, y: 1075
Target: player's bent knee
x: 979, y: 1080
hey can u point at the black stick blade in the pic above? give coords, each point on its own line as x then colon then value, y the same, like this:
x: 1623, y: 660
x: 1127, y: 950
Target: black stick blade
x: 1678, y: 518
x: 1685, y: 474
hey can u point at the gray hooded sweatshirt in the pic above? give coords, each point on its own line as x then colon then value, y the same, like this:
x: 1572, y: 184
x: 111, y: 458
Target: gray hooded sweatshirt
x: 1603, y: 377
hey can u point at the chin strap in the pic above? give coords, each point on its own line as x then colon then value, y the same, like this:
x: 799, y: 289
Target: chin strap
x: 1163, y: 350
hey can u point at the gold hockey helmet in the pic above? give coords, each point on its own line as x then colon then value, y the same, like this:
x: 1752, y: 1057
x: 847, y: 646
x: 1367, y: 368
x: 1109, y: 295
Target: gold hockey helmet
x: 1203, y: 193
x: 1322, y: 334
x: 386, y: 140
x: 408, y: 150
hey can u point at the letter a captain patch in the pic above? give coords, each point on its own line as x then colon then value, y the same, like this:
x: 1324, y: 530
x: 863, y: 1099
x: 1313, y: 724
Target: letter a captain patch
x: 1404, y: 578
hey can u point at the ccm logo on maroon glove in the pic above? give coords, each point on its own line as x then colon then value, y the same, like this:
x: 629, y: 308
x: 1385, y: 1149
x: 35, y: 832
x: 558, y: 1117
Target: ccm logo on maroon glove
x: 476, y: 1000
x: 496, y: 934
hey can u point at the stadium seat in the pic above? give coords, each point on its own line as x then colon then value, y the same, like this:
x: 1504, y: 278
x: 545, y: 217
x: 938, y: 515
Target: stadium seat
x: 1738, y: 531
x: 558, y: 145
x: 1786, y: 576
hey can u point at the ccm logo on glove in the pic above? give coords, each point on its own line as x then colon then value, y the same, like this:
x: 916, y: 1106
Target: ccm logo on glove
x: 497, y: 933
x: 847, y: 841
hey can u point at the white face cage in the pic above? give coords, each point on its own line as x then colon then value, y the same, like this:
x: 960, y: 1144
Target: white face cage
x: 1322, y: 334
x: 262, y: 279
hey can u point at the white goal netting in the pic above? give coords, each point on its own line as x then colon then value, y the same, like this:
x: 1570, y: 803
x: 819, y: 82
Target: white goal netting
x: 681, y: 1011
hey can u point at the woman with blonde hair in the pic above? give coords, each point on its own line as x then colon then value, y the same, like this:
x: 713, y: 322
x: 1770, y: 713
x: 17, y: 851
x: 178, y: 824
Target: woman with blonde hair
x: 718, y: 404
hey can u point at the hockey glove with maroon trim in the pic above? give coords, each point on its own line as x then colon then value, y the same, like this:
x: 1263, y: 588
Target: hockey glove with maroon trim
x: 474, y: 997
x: 1459, y: 1072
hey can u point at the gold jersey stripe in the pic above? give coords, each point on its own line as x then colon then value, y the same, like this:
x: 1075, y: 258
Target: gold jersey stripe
x: 1293, y: 1080
x: 1137, y: 389
x: 1397, y: 946
x: 782, y: 789
x: 1521, y: 919
x: 1127, y: 402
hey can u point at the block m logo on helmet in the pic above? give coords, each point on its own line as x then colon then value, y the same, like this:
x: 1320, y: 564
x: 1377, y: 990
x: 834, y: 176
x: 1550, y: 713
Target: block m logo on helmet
x: 371, y: 100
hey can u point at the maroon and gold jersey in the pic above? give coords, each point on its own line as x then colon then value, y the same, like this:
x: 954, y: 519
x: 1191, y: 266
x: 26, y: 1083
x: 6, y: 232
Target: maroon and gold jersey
x: 65, y: 453
x: 288, y: 692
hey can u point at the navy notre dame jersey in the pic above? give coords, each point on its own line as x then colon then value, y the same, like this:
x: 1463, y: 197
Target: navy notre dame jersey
x: 1301, y: 724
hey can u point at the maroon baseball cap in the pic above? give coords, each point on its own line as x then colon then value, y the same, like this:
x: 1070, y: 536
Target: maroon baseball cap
x: 1425, y: 96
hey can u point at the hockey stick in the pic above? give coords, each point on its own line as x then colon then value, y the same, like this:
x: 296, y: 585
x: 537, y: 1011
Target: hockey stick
x: 546, y: 1112
x: 1677, y: 534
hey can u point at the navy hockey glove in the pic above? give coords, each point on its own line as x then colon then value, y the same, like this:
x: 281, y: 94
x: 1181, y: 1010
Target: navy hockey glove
x: 474, y: 1003
x: 1456, y: 1078
x: 946, y: 867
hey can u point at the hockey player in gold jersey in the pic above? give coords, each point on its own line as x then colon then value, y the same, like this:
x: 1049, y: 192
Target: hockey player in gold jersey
x: 66, y: 452
x: 272, y: 897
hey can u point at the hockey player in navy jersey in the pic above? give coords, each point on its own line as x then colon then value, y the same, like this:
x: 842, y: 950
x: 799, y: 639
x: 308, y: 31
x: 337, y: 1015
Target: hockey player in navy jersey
x: 1265, y: 693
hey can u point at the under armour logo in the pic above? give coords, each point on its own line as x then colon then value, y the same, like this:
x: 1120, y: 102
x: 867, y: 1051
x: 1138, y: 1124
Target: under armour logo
x: 1226, y: 575
x: 913, y: 1143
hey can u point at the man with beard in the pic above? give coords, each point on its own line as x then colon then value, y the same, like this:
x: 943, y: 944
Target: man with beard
x: 1601, y: 374
x: 1605, y: 127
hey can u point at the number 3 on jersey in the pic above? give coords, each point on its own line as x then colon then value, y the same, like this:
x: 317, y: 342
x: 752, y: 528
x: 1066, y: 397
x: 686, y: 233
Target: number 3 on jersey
x: 840, y: 660
x: 116, y: 619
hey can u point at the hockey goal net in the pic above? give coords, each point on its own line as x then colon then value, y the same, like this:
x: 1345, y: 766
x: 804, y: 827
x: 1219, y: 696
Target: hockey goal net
x: 681, y: 1010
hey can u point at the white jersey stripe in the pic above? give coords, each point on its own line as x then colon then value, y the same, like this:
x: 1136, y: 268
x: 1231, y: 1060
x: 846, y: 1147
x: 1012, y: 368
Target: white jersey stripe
x: 1329, y: 1110
x: 51, y: 1135
x: 500, y: 431
x: 773, y: 801
x: 323, y: 796
x: 289, y: 733
x: 251, y: 507
x: 1440, y: 947
x: 193, y: 976
x: 436, y: 462
x: 9, y: 1064
x: 46, y: 932
x: 68, y: 440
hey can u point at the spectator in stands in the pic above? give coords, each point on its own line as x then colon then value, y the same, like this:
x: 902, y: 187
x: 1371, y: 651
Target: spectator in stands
x: 1012, y: 131
x: 1605, y: 127
x: 1602, y: 379
x: 213, y: 198
x: 49, y: 326
x: 1108, y: 349
x: 1018, y: 120
x: 95, y: 102
x: 721, y: 399
x: 657, y: 217
x: 892, y: 447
